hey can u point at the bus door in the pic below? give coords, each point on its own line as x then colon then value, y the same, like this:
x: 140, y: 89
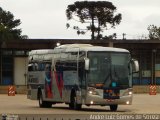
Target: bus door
x: 83, y: 83
x: 77, y: 60
x: 81, y: 75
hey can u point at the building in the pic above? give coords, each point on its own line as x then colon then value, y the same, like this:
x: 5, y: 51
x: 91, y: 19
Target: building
x: 13, y: 60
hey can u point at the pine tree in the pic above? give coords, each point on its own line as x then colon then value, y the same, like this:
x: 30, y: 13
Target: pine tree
x: 100, y: 15
x: 8, y: 26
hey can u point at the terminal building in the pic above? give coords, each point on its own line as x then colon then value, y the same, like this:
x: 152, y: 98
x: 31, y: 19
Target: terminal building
x: 14, y: 60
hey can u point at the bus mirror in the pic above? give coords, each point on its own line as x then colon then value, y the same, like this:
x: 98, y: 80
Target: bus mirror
x: 135, y: 66
x: 86, y: 64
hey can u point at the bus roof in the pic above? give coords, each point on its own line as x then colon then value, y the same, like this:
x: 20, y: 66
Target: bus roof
x: 75, y: 47
x: 41, y: 51
x: 89, y: 47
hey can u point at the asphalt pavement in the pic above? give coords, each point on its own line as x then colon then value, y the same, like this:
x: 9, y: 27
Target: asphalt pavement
x: 19, y: 105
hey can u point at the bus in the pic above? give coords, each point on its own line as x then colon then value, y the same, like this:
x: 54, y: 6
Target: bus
x: 81, y: 74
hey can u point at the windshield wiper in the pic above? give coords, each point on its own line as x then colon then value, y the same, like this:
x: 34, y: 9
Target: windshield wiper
x: 112, y: 77
x: 108, y: 78
x: 115, y: 74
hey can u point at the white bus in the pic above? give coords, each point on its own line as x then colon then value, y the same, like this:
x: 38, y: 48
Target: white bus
x: 81, y: 74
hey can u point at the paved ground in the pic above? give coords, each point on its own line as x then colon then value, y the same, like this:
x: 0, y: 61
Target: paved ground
x: 19, y: 104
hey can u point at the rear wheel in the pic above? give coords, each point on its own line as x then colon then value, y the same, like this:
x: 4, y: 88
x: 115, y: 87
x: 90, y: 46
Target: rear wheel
x: 113, y: 107
x: 42, y: 103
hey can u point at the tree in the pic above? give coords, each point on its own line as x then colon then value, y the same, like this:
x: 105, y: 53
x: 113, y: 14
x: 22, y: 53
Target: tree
x: 100, y: 15
x: 154, y: 32
x: 8, y: 24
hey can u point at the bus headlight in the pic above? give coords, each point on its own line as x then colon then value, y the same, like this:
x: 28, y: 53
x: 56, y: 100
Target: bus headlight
x: 130, y: 92
x: 91, y: 102
x: 92, y: 91
x: 127, y: 102
x: 127, y: 92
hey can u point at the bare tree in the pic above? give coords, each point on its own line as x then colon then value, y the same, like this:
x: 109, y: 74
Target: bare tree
x: 154, y: 32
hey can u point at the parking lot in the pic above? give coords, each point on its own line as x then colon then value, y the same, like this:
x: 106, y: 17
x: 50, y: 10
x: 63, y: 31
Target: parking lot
x: 19, y: 104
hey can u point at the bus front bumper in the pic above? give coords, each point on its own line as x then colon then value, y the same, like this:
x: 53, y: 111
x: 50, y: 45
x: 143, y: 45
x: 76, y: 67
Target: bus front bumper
x: 98, y: 100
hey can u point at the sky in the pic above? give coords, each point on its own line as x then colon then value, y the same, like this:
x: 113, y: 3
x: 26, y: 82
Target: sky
x: 46, y: 19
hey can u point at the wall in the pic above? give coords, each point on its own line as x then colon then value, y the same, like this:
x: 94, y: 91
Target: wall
x: 20, y: 70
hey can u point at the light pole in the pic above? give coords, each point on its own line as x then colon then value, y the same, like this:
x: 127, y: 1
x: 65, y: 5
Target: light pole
x: 58, y: 44
x: 2, y: 45
x: 153, y: 82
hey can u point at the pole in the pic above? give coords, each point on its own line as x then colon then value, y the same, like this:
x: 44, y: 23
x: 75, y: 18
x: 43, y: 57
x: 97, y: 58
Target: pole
x: 0, y: 67
x: 153, y: 66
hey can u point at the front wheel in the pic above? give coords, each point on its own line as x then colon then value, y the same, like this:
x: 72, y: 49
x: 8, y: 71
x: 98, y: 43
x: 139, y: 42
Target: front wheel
x: 113, y: 107
x: 73, y: 104
x: 42, y: 103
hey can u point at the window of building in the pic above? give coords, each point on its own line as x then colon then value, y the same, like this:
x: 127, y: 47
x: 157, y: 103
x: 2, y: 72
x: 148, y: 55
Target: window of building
x: 19, y: 52
x: 7, y: 70
x: 7, y: 52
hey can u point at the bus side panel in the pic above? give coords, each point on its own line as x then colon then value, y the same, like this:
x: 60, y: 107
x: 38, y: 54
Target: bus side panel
x: 57, y: 86
x: 35, y: 80
x: 48, y: 81
x: 70, y: 82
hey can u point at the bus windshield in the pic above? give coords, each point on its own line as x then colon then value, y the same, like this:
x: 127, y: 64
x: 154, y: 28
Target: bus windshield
x: 111, y: 69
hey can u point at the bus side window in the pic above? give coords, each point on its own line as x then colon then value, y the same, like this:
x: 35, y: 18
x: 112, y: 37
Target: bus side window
x: 48, y: 67
x: 41, y: 66
x: 36, y: 67
x: 30, y: 67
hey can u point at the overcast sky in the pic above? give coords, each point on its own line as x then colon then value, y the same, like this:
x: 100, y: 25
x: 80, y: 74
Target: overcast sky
x: 46, y: 18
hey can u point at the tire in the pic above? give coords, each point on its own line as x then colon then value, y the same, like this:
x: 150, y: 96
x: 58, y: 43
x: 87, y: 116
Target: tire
x: 43, y: 104
x: 113, y: 107
x: 73, y: 104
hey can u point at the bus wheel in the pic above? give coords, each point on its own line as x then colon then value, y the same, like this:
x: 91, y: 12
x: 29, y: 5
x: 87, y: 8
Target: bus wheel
x: 43, y: 104
x: 113, y: 107
x: 73, y: 104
